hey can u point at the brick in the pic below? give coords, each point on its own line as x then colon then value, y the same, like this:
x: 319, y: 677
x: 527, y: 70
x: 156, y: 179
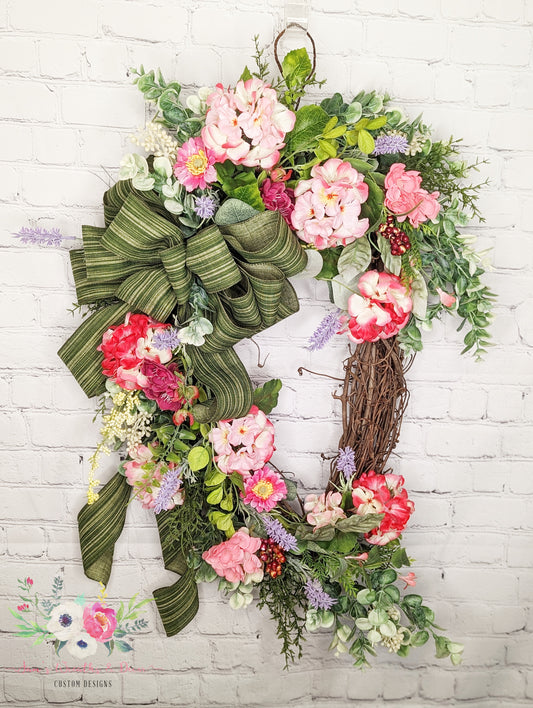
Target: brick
x: 18, y: 55
x: 161, y: 24
x: 117, y: 107
x: 26, y: 688
x: 215, y: 26
x: 400, y: 684
x: 16, y: 141
x: 38, y: 267
x: 453, y: 84
x: 140, y: 689
x: 10, y: 185
x: 517, y: 441
x: 517, y: 174
x: 519, y: 649
x: 200, y: 66
x: 13, y: 428
x: 493, y: 88
x: 419, y: 8
x: 426, y: 40
x: 519, y: 552
x: 437, y: 684
x: 24, y: 541
x: 32, y: 391
x: 492, y: 45
x: 107, y: 61
x: 62, y: 430
x: 502, y: 138
x: 468, y: 403
x: 55, y: 146
x: 20, y: 465
x: 32, y: 503
x: 412, y: 81
x: 506, y: 12
x: 70, y: 187
x: 512, y: 512
x: 55, y: 17
x: 18, y: 310
x: 492, y: 584
x: 475, y: 684
x: 525, y: 325
x: 102, y: 147
x: 60, y: 58
x: 339, y: 37
x: 508, y: 619
x: 462, y: 440
x: 151, y: 651
x: 188, y: 693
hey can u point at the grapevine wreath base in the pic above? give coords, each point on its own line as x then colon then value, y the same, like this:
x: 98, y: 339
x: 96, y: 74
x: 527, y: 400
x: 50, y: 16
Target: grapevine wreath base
x: 241, y: 190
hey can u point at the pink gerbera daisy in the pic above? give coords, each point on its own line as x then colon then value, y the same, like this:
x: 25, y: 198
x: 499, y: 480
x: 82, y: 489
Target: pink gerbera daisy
x: 264, y: 489
x: 194, y: 165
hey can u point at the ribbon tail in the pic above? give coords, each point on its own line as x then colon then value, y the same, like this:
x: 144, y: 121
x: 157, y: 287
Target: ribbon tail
x: 224, y: 373
x: 178, y: 603
x: 100, y: 525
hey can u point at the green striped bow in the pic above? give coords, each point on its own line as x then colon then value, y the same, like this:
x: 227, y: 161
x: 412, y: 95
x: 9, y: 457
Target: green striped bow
x: 142, y: 262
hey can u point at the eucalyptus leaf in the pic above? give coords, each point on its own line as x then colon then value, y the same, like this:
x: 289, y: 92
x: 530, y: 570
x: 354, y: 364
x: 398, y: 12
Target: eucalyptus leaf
x: 419, y: 295
x: 233, y: 211
x: 353, y: 112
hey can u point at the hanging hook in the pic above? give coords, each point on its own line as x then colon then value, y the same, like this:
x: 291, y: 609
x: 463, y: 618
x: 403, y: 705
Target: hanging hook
x: 280, y: 35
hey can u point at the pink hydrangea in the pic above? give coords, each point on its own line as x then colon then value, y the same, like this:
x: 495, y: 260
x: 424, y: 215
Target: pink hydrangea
x: 194, y: 165
x: 327, y: 208
x: 382, y: 309
x: 235, y: 559
x: 243, y: 444
x: 99, y: 621
x: 382, y: 494
x: 405, y: 196
x: 126, y: 346
x: 323, y: 510
x: 264, y: 489
x: 247, y: 125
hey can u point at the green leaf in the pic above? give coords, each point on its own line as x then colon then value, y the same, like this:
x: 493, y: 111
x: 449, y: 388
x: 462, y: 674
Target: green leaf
x: 198, y: 458
x: 215, y: 496
x: 225, y: 523
x: 345, y: 542
x: 393, y: 592
x: 333, y: 106
x: 296, y: 66
x: 353, y: 112
x: 376, y: 123
x: 327, y: 148
x: 355, y: 258
x: 330, y: 256
x: 365, y: 142
x: 419, y: 296
x: 326, y: 533
x: 441, y: 647
x: 246, y: 74
x: 412, y: 600
x: 233, y: 211
x: 123, y: 646
x: 393, y: 264
x: 310, y: 123
x: 170, y: 106
x: 250, y: 194
x: 372, y: 209
x: 237, y: 480
x: 334, y: 132
x: 360, y: 165
x: 359, y: 524
x: 400, y: 558
x: 266, y: 396
x: 226, y: 503
x: 292, y: 490
x: 419, y: 639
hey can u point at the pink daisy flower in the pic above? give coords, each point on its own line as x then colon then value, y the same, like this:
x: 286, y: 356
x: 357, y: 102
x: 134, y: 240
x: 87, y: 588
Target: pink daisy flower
x: 264, y: 489
x: 194, y: 165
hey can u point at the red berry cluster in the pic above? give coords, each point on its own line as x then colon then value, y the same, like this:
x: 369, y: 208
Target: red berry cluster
x: 399, y: 240
x: 271, y: 553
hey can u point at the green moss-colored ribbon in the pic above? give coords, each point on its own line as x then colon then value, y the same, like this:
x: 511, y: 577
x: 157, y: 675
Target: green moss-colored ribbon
x: 141, y: 262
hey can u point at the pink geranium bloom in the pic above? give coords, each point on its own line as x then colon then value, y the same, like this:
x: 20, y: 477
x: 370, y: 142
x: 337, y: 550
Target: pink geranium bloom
x: 243, y: 444
x: 382, y: 309
x: 99, y: 621
x: 235, y: 559
x: 406, y: 198
x: 194, y: 165
x: 382, y: 494
x: 219, y: 436
x: 323, y: 510
x: 328, y: 206
x: 264, y: 489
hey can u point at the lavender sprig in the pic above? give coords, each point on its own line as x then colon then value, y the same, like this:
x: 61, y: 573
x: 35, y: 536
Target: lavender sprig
x: 166, y: 339
x: 170, y: 484
x: 317, y: 597
x: 39, y: 236
x: 279, y: 534
x: 346, y: 461
x: 205, y: 206
x: 329, y: 326
x: 390, y: 144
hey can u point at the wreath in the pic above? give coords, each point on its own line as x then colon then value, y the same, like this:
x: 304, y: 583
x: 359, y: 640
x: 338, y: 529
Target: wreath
x: 241, y: 190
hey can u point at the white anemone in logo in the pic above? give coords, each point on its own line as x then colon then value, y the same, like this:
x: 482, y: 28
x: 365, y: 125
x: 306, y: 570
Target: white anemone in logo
x: 81, y: 644
x: 66, y: 619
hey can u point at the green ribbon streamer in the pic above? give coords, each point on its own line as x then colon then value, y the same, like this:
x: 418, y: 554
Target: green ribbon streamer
x: 142, y: 262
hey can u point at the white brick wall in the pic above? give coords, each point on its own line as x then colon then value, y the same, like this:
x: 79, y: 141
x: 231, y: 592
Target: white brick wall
x: 66, y: 110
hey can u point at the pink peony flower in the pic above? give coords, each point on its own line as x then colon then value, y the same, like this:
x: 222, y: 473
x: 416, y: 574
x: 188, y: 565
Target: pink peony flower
x: 126, y: 346
x: 194, y: 165
x: 406, y: 198
x: 323, y: 510
x: 235, y: 558
x: 264, y: 489
x: 162, y: 385
x: 243, y: 444
x: 382, y: 309
x: 247, y: 125
x: 99, y: 621
x: 277, y: 197
x: 327, y: 207
x: 447, y: 299
x: 382, y: 494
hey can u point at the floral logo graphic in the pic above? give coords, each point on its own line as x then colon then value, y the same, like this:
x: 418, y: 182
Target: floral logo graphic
x: 76, y: 625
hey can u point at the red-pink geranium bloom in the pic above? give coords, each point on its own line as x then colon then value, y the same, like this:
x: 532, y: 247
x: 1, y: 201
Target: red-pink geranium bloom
x: 406, y: 198
x: 447, y: 299
x: 409, y: 579
x: 327, y: 208
x: 194, y: 165
x: 235, y: 558
x: 277, y: 196
x: 163, y: 385
x: 323, y: 510
x: 264, y: 489
x: 126, y: 346
x: 243, y: 444
x: 382, y: 494
x: 99, y: 621
x: 382, y: 309
x: 246, y: 125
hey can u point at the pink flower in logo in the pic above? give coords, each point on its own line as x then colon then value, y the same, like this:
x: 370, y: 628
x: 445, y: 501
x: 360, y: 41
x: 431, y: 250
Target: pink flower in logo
x: 99, y: 621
